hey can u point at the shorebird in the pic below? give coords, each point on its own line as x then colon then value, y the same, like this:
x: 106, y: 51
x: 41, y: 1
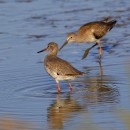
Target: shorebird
x: 58, y: 68
x: 90, y: 32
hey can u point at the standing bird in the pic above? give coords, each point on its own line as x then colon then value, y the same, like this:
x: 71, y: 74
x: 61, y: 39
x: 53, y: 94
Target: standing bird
x: 91, y: 32
x: 58, y: 68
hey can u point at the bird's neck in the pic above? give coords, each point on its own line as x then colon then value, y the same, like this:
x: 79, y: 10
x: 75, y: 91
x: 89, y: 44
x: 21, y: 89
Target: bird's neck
x: 76, y: 37
x: 49, y: 57
x: 79, y: 38
x: 53, y: 53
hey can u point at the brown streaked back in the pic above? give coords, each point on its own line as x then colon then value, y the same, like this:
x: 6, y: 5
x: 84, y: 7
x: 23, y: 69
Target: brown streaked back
x: 61, y: 66
x: 99, y: 28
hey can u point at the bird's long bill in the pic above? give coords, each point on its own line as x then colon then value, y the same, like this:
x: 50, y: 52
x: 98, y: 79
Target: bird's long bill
x: 66, y: 42
x: 42, y: 50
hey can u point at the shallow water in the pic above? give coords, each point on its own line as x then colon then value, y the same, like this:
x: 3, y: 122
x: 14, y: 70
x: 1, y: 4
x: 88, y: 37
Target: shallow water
x: 28, y: 95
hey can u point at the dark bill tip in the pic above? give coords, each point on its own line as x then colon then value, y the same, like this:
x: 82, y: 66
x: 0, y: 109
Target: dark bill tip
x: 42, y: 50
x: 66, y: 42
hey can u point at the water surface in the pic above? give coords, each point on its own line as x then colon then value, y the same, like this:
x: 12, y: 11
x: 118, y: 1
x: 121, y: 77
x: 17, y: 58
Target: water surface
x: 28, y: 95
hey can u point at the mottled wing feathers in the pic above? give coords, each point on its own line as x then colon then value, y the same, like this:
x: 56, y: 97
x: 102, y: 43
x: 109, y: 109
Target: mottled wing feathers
x: 98, y: 28
x: 62, y: 67
x: 102, y: 28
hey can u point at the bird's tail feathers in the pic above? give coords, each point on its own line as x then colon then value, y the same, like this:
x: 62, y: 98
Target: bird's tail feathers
x: 112, y: 24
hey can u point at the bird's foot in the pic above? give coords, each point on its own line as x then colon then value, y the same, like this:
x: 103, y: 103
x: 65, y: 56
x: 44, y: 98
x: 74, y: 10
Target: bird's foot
x: 85, y: 53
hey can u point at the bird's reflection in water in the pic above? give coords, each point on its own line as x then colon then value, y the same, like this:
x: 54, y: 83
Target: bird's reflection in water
x: 10, y: 123
x: 92, y: 90
x: 101, y: 88
x: 62, y: 110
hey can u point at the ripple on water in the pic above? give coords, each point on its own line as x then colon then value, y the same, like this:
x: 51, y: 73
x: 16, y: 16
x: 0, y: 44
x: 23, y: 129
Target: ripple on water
x: 41, y: 88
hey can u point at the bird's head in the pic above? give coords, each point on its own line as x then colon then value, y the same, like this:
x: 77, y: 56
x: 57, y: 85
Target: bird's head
x: 52, y: 48
x: 70, y: 38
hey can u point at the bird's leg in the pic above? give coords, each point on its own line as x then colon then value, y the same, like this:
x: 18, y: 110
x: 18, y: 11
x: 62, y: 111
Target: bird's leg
x: 87, y: 51
x: 94, y: 45
x: 58, y: 86
x: 100, y: 51
x: 70, y: 87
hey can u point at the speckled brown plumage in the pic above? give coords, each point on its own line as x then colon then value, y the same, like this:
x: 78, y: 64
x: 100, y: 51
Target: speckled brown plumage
x: 91, y: 32
x: 58, y: 68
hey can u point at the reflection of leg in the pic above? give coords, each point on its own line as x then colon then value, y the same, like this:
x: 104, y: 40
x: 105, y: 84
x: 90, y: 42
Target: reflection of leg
x: 59, y: 105
x: 58, y: 86
x: 70, y: 86
x: 101, y: 69
x: 58, y: 96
